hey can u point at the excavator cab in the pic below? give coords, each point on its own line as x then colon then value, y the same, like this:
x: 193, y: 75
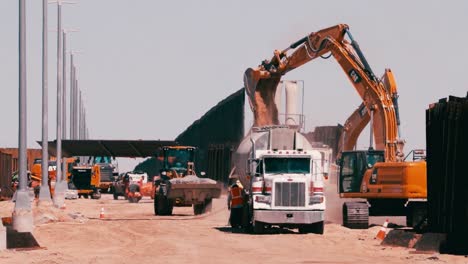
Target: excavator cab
x: 353, y: 165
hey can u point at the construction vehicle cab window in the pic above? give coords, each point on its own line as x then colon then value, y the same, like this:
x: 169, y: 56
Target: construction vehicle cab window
x: 178, y: 158
x: 287, y: 165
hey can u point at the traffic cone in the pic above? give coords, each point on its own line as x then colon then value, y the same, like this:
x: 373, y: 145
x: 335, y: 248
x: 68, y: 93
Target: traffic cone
x: 101, y: 215
x: 383, y: 231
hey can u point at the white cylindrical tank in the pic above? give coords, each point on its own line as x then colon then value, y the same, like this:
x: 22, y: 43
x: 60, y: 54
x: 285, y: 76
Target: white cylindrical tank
x: 278, y: 138
x: 292, y: 115
x: 278, y: 98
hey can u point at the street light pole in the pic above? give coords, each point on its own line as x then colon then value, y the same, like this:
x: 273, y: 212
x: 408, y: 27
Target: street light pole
x: 75, y: 107
x: 64, y: 85
x: 44, y: 194
x: 22, y: 214
x: 72, y: 93
x: 59, y: 196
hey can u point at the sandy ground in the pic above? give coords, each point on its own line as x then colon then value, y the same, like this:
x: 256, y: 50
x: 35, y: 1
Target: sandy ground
x: 131, y: 232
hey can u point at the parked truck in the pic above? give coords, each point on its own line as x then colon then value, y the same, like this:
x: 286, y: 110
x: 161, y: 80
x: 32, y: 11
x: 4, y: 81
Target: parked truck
x: 283, y: 178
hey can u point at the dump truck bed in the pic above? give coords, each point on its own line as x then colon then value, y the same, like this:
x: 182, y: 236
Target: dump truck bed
x: 193, y: 190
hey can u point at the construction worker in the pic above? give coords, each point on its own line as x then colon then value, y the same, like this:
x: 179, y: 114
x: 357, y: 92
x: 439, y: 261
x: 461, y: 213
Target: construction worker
x: 236, y: 202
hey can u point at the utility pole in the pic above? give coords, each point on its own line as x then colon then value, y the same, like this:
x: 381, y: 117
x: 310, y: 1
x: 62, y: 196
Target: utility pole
x: 22, y: 214
x: 44, y: 194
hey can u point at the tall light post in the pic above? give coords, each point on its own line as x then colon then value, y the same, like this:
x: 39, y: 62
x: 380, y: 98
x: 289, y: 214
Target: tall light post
x: 59, y: 196
x: 22, y: 214
x: 44, y: 194
x: 73, y: 94
x: 64, y: 84
x: 61, y: 184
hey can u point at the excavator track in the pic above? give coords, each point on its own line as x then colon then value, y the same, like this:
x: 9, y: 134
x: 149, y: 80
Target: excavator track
x: 356, y: 215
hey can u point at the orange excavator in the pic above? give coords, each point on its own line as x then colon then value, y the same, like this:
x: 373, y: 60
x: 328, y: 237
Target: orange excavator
x: 389, y: 184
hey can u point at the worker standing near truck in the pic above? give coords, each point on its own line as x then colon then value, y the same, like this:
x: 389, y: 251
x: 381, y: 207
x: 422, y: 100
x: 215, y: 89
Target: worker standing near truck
x: 236, y: 202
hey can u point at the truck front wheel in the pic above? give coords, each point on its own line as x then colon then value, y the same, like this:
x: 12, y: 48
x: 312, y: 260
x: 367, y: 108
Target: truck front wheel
x: 258, y: 227
x: 163, y: 205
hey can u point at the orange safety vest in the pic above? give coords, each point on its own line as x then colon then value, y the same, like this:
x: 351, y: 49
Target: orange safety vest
x: 236, y: 197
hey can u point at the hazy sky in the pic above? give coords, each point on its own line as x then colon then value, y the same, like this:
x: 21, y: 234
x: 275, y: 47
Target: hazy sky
x: 150, y: 68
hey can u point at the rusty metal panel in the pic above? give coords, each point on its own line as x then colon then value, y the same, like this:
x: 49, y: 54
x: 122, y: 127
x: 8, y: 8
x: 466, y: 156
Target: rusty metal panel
x: 5, y: 174
x: 447, y: 176
x: 31, y: 155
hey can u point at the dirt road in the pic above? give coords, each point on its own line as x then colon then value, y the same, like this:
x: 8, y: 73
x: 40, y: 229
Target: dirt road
x: 130, y: 232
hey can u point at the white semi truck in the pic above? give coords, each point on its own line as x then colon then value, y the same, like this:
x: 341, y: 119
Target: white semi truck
x: 283, y: 177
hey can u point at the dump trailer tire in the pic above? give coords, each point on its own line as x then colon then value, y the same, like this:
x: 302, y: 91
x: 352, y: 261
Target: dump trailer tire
x: 155, y: 205
x: 356, y: 215
x: 208, y: 206
x: 198, y: 209
x: 163, y: 205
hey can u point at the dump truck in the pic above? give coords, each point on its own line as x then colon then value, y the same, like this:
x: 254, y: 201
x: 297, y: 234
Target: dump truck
x: 179, y: 185
x: 85, y: 182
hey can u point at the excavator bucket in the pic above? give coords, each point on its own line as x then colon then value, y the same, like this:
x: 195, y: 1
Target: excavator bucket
x: 261, y: 91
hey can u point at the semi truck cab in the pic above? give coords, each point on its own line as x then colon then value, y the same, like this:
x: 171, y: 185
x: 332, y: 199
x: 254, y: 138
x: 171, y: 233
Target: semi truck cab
x: 287, y: 190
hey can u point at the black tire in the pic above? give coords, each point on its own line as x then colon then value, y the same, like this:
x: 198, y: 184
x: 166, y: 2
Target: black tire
x: 318, y: 228
x: 258, y: 227
x: 96, y: 195
x: 208, y: 206
x: 163, y: 205
x: 85, y: 196
x: 155, y: 205
x: 306, y: 229
x: 198, y: 209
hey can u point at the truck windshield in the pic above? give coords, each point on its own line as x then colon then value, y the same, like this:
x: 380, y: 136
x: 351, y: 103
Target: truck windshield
x: 287, y: 165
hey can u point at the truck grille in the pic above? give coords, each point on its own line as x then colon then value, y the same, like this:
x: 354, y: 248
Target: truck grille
x: 289, y: 194
x: 106, y: 174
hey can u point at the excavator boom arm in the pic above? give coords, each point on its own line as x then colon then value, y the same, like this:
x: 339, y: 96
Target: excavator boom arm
x: 379, y: 97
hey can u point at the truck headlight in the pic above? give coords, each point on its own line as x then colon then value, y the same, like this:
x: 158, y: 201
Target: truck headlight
x: 316, y: 199
x: 263, y: 199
